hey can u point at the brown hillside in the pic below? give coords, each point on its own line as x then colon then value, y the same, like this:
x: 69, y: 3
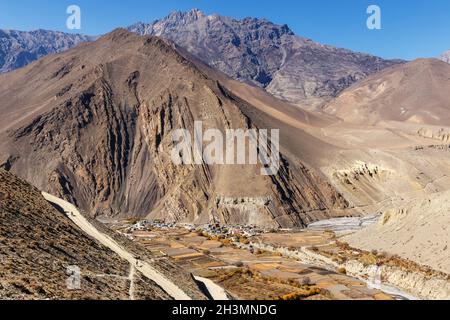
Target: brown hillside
x: 94, y: 125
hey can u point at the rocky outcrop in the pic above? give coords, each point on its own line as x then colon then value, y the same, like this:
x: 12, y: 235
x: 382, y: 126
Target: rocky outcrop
x: 361, y: 169
x: 440, y: 134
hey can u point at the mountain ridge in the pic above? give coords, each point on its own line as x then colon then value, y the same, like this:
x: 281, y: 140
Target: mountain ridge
x: 414, y: 92
x: 265, y: 54
x: 105, y: 113
x: 251, y: 50
x: 19, y: 48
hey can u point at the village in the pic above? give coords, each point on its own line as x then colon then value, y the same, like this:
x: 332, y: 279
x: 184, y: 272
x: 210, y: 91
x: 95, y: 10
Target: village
x: 244, y: 259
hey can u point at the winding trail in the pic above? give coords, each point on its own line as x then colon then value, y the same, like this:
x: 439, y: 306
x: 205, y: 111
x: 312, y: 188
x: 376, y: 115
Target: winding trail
x: 146, y: 269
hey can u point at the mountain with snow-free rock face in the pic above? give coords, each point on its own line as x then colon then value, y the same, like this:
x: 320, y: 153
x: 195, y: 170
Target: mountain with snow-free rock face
x: 267, y: 55
x: 252, y: 50
x: 94, y: 125
x: 19, y: 48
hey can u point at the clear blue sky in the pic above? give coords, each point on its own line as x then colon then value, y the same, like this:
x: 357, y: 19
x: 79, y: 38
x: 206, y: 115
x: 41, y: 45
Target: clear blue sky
x: 411, y: 28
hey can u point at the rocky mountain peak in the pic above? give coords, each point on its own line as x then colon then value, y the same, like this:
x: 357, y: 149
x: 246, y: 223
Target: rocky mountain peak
x: 250, y: 50
x: 267, y: 55
x: 193, y: 14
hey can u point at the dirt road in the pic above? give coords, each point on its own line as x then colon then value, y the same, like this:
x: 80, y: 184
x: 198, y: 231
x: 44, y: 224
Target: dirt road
x: 147, y: 270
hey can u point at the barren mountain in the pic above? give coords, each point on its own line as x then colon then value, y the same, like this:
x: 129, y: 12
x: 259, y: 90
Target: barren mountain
x: 267, y: 55
x: 94, y: 125
x: 416, y: 92
x: 39, y: 245
x: 19, y: 48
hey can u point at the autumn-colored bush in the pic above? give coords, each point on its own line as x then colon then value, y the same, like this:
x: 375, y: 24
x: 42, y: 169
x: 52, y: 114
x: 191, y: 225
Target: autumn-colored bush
x: 342, y: 270
x: 368, y: 259
x: 244, y: 240
x: 226, y: 242
x: 300, y: 295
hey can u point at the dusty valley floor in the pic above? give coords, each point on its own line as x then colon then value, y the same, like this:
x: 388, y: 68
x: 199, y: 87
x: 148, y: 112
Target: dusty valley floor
x: 306, y: 264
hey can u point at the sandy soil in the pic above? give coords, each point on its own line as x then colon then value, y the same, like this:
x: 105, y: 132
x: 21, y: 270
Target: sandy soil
x: 420, y: 231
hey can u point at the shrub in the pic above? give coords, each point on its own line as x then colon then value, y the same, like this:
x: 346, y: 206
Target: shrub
x: 226, y: 242
x: 368, y: 259
x: 244, y: 240
x: 342, y: 270
x: 300, y: 295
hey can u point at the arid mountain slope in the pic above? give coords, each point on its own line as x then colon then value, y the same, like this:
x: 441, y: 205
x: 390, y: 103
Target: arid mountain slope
x: 418, y: 231
x: 38, y: 244
x: 95, y: 124
x: 416, y: 92
x: 270, y: 56
x: 19, y: 48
